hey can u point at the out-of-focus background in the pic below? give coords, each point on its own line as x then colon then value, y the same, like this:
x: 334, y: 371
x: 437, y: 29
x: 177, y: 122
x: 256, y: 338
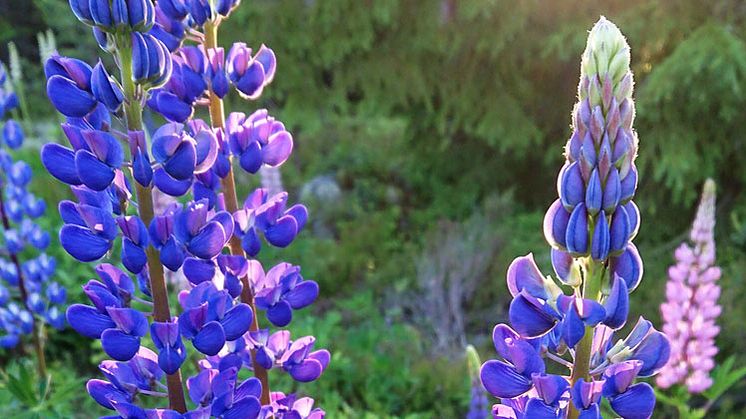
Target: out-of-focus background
x: 428, y: 137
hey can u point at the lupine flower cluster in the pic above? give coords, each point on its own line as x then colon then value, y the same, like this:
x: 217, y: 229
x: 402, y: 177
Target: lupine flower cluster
x: 590, y: 228
x: 28, y: 296
x: 692, y: 309
x: 168, y: 60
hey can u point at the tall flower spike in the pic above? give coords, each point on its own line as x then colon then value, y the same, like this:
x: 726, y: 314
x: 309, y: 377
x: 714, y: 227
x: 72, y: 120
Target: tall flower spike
x: 691, y: 309
x: 590, y: 228
x: 220, y: 303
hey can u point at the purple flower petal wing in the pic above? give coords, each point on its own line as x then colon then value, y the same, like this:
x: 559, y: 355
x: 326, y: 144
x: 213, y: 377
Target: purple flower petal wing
x: 637, y: 402
x: 210, y: 339
x: 119, y: 345
x: 502, y: 380
x: 88, y: 321
x: 60, y: 163
x: 236, y: 321
x: 82, y: 244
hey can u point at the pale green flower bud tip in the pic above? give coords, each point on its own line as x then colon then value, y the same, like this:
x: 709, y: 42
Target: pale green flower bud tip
x: 606, y: 52
x: 709, y: 188
x: 472, y: 360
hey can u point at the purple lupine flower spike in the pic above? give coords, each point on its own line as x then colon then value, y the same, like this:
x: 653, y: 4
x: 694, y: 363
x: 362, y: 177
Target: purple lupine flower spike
x: 29, y: 297
x: 691, y: 310
x: 590, y: 228
x: 168, y: 59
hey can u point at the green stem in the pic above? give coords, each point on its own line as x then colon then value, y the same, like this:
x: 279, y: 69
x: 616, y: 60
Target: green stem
x: 582, y: 364
x: 161, y: 310
x: 228, y: 184
x: 38, y: 339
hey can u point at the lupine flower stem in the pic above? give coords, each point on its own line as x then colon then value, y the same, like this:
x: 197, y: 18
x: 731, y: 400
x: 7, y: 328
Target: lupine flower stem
x: 228, y: 184
x: 161, y: 310
x: 38, y: 333
x: 581, y: 365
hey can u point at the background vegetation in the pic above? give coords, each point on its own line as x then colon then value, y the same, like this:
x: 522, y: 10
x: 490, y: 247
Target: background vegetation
x: 429, y: 134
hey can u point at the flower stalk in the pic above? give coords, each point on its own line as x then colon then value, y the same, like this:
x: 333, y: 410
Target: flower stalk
x: 161, y: 310
x: 228, y: 184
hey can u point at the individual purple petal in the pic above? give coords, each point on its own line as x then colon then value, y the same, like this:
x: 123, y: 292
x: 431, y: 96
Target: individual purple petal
x: 537, y: 409
x: 555, y: 225
x: 277, y: 151
x: 620, y: 376
x: 182, y: 162
x: 169, y: 185
x: 638, y: 402
x: 617, y: 304
x: 523, y: 274
x: 550, y: 387
x: 246, y: 408
x: 250, y: 243
x: 600, y: 242
x: 529, y: 316
x: 88, y: 321
x: 628, y: 266
x: 119, y: 345
x: 612, y: 191
x: 280, y: 314
x: 209, y: 242
x: 269, y: 62
x: 283, y: 232
x: 628, y: 185
x: 562, y: 264
x: 93, y: 172
x: 210, y: 339
x: 83, y: 244
x: 634, y: 218
x: 172, y: 255
x: 300, y: 213
x: 250, y: 85
x: 323, y: 356
x: 236, y: 321
x: 576, y: 237
x: 133, y: 256
x: 306, y: 371
x: 250, y: 159
x: 653, y: 351
x: 129, y: 320
x: 571, y: 186
x: 619, y: 231
x: 502, y: 380
x: 593, y: 194
x: 68, y: 98
x: 251, y: 387
x: 302, y: 295
x: 198, y: 271
x: 60, y: 163
x: 103, y: 392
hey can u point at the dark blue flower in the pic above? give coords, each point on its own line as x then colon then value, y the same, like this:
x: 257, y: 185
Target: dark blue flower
x: 69, y: 86
x: 268, y: 215
x: 13, y: 134
x: 281, y: 291
x: 512, y: 376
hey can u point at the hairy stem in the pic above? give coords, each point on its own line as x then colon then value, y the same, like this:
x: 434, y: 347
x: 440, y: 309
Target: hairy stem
x: 161, y: 310
x: 38, y: 332
x: 228, y: 184
x: 582, y: 364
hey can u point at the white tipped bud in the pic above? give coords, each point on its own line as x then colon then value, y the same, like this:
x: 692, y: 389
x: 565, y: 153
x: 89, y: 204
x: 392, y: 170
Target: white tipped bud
x: 606, y: 52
